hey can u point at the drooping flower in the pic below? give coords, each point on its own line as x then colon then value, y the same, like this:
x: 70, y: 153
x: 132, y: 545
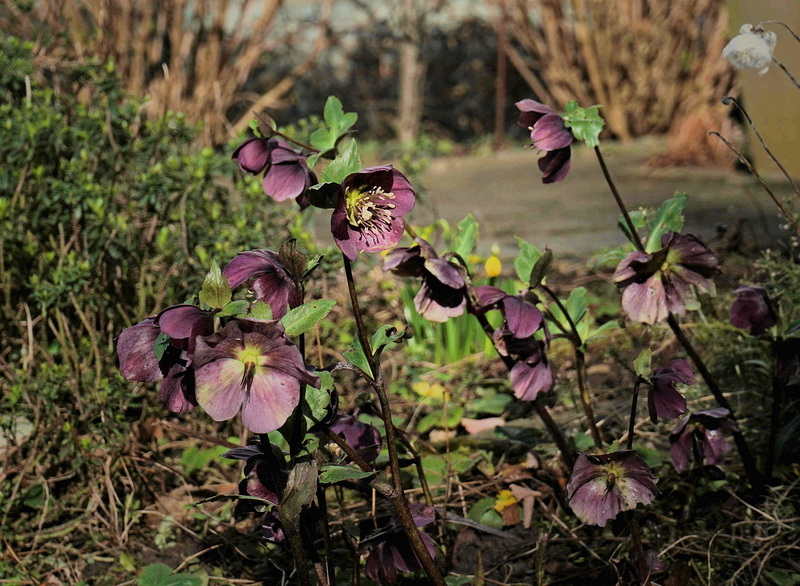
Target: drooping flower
x: 701, y: 432
x: 522, y: 316
x: 602, y: 486
x: 664, y: 401
x: 752, y: 310
x: 252, y: 155
x: 751, y: 49
x: 286, y: 173
x: 443, y: 293
x: 531, y: 373
x: 265, y: 480
x: 271, y: 282
x: 548, y: 134
x: 138, y: 360
x: 390, y: 550
x: 253, y: 366
x: 657, y: 284
x: 365, y: 439
x: 370, y: 210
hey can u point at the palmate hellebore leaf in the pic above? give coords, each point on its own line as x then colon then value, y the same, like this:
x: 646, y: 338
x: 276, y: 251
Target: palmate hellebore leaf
x: 586, y: 124
x: 345, y: 163
x: 669, y: 217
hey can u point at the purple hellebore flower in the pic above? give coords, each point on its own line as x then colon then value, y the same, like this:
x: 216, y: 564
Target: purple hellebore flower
x: 664, y: 401
x: 262, y: 479
x: 701, y: 432
x: 657, y: 284
x: 531, y: 373
x: 369, y: 215
x: 548, y: 134
x: 137, y: 357
x: 252, y: 365
x: 286, y: 173
x: 365, y: 439
x: 443, y: 293
x: 604, y: 485
x: 752, y: 310
x: 271, y: 283
x: 390, y: 550
x: 522, y: 317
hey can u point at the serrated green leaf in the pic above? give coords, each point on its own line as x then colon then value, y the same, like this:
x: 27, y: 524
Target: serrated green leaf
x: 669, y: 217
x: 642, y: 364
x: 586, y: 124
x: 357, y: 357
x: 216, y: 291
x: 387, y: 334
x: 301, y: 319
x: 333, y: 473
x: 324, y: 195
x: 161, y: 575
x: 347, y: 121
x: 528, y: 255
x: 234, y: 308
x: 577, y: 304
x: 599, y: 332
x: 345, y: 163
x: 317, y: 401
x: 324, y: 141
x: 466, y: 236
x: 261, y: 310
x: 333, y: 113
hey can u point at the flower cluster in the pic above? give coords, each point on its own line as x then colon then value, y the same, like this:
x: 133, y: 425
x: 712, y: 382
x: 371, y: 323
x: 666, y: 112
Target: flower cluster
x: 701, y: 433
x: 286, y: 174
x: 659, y: 283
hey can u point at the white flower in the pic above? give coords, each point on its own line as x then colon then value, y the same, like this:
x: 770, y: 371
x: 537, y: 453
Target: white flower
x: 751, y: 48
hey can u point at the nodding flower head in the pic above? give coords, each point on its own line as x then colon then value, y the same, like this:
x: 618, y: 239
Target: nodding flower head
x: 701, y: 433
x: 664, y: 401
x: 549, y: 134
x: 369, y: 214
x: 752, y: 310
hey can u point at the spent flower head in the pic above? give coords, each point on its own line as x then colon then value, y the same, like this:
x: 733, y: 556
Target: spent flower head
x: 443, y: 293
x: 519, y: 311
x: 602, y: 486
x: 253, y: 366
x: 549, y: 134
x: 370, y: 209
x: 751, y: 49
x: 364, y: 438
x: 659, y: 283
x: 531, y: 373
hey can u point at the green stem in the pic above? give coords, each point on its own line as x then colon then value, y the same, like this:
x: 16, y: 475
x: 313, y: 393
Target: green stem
x: 398, y: 498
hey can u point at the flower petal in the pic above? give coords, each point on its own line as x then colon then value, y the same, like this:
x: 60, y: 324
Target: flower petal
x: 218, y: 387
x: 549, y: 133
x: 137, y: 359
x: 285, y: 181
x: 272, y: 397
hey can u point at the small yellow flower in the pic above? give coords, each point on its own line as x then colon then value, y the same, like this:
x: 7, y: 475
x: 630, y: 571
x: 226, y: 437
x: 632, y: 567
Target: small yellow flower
x: 504, y: 500
x: 493, y: 266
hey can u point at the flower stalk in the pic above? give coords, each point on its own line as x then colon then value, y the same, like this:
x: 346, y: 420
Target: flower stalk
x: 398, y: 497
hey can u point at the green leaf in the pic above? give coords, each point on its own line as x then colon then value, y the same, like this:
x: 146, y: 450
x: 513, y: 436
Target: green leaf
x: 387, y: 334
x: 216, y: 291
x: 586, y: 124
x: 540, y: 268
x: 234, y: 308
x: 333, y: 473
x: 261, y: 310
x: 324, y: 141
x: 317, y: 401
x: 483, y: 512
x: 576, y: 304
x: 466, y: 236
x: 357, y: 357
x: 301, y: 488
x: 345, y: 163
x: 160, y: 345
x: 653, y: 458
x: 524, y: 263
x: 324, y: 195
x: 436, y: 419
x: 668, y: 217
x: 638, y: 220
x: 333, y: 112
x: 127, y: 562
x: 161, y: 575
x: 599, y: 332
x: 301, y: 319
x: 641, y: 366
x: 292, y: 259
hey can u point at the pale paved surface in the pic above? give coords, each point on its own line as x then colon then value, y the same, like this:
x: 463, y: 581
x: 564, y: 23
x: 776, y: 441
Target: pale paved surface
x: 577, y: 217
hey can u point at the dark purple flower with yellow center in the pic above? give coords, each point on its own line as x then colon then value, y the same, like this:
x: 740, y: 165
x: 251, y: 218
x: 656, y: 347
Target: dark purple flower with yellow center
x: 253, y: 366
x: 365, y: 439
x: 369, y: 214
x: 269, y: 279
x: 659, y: 283
x: 531, y: 373
x: 602, y: 486
x: 443, y: 293
x: 522, y: 316
x: 390, y: 550
x: 137, y: 354
x: 752, y: 310
x: 664, y: 400
x: 548, y: 134
x: 701, y: 433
